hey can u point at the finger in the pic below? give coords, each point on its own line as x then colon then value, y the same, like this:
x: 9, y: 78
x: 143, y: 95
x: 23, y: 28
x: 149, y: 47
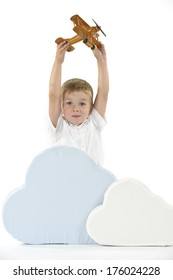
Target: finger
x: 63, y: 44
x: 63, y: 47
x: 94, y: 48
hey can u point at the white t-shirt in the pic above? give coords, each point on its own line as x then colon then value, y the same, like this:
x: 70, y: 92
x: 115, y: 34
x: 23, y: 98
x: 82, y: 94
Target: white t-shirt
x: 86, y: 136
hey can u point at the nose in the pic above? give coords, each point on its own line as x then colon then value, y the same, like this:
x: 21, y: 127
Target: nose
x: 76, y: 109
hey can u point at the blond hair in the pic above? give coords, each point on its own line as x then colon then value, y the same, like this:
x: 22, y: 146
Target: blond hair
x: 76, y: 84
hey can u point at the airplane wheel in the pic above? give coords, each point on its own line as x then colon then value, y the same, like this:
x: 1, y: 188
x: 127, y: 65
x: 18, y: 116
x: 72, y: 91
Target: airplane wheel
x: 93, y: 47
x: 85, y: 41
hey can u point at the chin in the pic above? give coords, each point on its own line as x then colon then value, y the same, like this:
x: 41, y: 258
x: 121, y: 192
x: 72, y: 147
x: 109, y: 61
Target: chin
x: 77, y: 121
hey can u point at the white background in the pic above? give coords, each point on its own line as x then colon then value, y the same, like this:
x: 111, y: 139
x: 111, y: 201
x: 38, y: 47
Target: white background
x: 138, y: 139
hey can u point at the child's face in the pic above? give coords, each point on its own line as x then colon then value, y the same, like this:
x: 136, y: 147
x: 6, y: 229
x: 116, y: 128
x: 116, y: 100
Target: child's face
x: 76, y: 107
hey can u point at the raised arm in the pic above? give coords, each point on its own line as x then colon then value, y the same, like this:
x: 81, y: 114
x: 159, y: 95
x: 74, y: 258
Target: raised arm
x: 55, y: 83
x: 103, y: 80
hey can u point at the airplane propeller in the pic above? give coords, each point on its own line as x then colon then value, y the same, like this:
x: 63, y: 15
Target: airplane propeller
x: 99, y: 27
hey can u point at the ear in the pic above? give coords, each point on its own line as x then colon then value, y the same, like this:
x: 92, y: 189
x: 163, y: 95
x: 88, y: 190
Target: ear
x: 62, y: 112
x: 62, y: 109
x: 91, y: 107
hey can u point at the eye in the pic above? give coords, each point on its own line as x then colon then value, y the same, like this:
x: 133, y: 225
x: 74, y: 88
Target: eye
x: 82, y: 103
x: 68, y: 103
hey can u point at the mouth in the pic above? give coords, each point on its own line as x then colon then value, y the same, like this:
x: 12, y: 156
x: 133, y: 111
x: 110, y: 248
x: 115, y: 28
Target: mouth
x: 76, y: 116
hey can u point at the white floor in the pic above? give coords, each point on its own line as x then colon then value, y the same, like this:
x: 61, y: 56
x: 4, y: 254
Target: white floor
x: 83, y: 252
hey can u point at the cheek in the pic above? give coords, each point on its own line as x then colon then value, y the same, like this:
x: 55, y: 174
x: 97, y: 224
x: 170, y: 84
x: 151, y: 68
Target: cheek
x: 89, y: 109
x: 65, y: 109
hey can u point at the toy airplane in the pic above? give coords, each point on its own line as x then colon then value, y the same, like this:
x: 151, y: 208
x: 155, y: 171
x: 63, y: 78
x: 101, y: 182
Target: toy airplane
x: 86, y: 33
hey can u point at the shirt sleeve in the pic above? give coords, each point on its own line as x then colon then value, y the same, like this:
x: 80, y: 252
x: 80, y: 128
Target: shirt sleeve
x: 54, y: 130
x: 98, y: 120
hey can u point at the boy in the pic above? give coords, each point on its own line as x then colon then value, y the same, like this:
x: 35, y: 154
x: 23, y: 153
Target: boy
x: 76, y: 120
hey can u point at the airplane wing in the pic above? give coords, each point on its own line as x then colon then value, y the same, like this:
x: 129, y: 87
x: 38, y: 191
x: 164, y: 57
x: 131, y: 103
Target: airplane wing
x: 79, y: 21
x: 89, y: 39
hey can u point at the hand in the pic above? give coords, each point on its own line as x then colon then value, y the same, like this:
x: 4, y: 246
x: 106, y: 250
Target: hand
x: 61, y: 50
x: 100, y: 53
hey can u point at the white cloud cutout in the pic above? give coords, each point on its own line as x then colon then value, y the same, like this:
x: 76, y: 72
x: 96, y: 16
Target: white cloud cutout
x: 62, y: 186
x: 131, y: 215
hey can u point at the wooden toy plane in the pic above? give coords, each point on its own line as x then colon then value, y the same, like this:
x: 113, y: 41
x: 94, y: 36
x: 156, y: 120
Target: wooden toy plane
x: 86, y: 33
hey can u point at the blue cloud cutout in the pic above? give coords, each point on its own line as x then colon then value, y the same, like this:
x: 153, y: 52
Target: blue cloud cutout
x: 61, y: 188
